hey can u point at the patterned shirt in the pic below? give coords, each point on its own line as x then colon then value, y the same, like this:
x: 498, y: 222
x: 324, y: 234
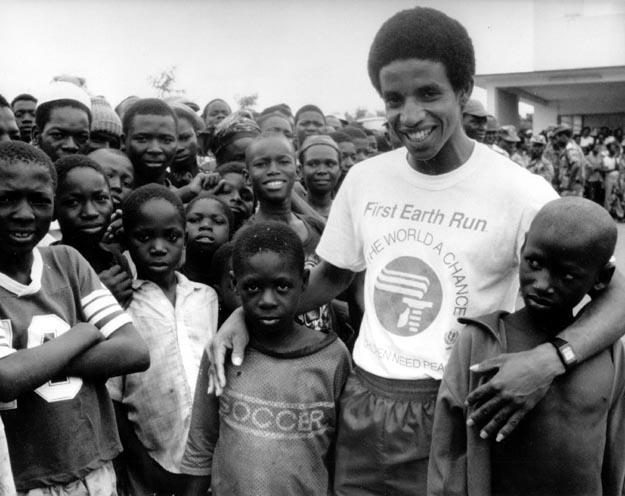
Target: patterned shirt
x: 159, y: 400
x: 271, y: 430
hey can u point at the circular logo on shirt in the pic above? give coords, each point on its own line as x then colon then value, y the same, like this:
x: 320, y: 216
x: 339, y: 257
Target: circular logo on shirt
x: 407, y: 296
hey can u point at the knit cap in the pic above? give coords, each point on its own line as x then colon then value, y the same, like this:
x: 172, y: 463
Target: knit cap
x: 104, y: 119
x: 316, y: 140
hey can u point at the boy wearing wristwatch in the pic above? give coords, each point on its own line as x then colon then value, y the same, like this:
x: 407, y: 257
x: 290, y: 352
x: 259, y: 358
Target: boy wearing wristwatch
x: 572, y: 442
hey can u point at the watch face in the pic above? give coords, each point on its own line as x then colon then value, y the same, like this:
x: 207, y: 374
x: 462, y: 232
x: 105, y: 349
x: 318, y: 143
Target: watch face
x: 567, y: 353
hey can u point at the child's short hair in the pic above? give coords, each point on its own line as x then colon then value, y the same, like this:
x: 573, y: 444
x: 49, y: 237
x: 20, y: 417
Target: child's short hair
x: 309, y: 108
x: 265, y: 135
x: 182, y: 111
x: 152, y: 191
x: 341, y: 137
x: 227, y: 212
x: 146, y: 106
x: 219, y: 263
x: 69, y: 162
x: 231, y: 167
x: 205, y: 110
x: 585, y: 220
x: 23, y: 97
x: 428, y: 34
x: 261, y: 237
x: 18, y: 151
x: 43, y: 111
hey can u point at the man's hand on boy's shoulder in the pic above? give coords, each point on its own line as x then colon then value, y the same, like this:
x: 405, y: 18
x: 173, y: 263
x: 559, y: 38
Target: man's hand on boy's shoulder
x: 520, y: 382
x: 232, y: 335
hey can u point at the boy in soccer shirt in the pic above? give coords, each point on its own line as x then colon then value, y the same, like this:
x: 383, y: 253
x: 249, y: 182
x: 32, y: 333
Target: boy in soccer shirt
x: 62, y: 334
x: 272, y: 430
x: 573, y: 442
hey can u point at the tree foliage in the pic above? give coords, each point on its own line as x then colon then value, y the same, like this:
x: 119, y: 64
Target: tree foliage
x: 164, y: 82
x: 247, y: 102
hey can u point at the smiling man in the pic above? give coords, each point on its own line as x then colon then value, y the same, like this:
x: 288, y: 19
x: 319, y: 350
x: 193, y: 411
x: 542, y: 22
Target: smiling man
x: 438, y: 225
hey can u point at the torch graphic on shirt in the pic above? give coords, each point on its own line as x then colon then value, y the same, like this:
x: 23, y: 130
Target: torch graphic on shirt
x: 412, y: 288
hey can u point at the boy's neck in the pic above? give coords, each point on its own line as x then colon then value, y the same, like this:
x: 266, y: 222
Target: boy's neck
x: 280, y: 212
x: 197, y: 267
x: 17, y: 267
x: 286, y: 340
x: 167, y: 283
x: 142, y: 180
x: 543, y: 323
x: 320, y: 202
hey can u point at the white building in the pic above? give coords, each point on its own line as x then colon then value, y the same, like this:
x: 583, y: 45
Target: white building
x: 570, y: 66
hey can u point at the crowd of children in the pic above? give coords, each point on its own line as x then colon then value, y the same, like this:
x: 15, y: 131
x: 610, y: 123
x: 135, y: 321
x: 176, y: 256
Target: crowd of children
x: 368, y: 279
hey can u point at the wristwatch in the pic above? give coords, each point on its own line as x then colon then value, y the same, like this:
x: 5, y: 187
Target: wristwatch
x: 565, y: 353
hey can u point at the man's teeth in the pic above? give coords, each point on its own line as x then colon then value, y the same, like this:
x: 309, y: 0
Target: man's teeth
x: 419, y: 135
x: 21, y: 235
x: 274, y: 183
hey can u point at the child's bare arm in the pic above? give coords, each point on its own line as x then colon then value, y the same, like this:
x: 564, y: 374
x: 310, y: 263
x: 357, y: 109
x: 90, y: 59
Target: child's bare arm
x: 29, y: 368
x: 124, y: 352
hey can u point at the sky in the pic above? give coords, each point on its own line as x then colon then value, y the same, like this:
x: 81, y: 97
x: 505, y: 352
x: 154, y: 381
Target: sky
x: 291, y: 51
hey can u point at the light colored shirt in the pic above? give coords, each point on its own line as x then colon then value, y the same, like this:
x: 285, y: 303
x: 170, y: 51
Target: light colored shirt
x: 158, y: 401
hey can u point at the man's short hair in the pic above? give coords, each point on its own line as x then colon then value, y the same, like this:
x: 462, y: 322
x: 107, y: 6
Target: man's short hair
x: 309, y: 108
x: 146, y: 106
x: 43, y: 112
x: 426, y: 34
x: 23, y: 97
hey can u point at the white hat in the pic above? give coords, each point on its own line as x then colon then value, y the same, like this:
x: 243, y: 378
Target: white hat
x: 62, y: 90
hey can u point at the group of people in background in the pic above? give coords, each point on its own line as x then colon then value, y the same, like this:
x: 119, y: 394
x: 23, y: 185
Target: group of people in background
x: 588, y: 163
x: 344, y: 263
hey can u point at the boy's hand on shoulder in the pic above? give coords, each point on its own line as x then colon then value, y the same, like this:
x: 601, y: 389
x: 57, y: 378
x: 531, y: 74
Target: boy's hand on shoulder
x: 520, y: 382
x: 115, y: 231
x: 119, y: 283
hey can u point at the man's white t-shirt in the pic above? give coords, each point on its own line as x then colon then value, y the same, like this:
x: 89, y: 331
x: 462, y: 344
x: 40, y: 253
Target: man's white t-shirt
x: 435, y: 248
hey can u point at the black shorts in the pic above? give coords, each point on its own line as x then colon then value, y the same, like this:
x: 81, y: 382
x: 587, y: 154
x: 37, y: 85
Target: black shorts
x: 384, y: 434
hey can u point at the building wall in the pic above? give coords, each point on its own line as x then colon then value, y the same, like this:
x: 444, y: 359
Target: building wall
x: 573, y: 34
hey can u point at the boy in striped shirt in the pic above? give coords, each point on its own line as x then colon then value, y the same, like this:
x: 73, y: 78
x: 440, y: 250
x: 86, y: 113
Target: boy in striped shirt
x: 62, y: 334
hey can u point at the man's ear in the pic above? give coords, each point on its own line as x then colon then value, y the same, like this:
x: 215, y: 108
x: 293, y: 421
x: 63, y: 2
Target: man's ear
x: 35, y: 133
x: 465, y: 93
x: 604, y: 277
